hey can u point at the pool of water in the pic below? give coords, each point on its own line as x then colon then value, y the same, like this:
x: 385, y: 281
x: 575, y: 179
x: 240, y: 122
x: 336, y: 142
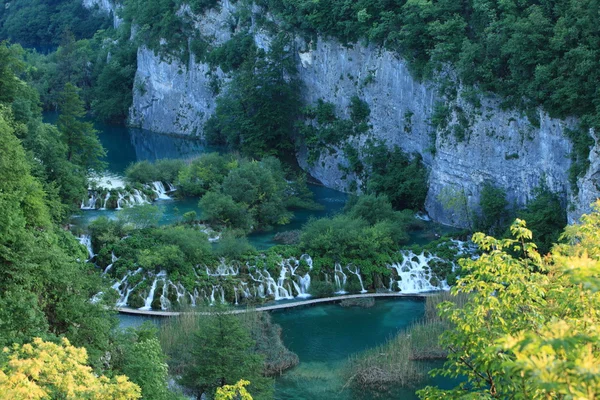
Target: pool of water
x: 125, y: 146
x: 325, y: 336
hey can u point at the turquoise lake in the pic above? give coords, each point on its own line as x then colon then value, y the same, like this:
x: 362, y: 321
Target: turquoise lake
x: 323, y: 336
x: 128, y: 145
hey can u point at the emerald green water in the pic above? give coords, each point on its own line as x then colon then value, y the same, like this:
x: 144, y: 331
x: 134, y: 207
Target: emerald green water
x: 325, y: 336
x: 128, y: 145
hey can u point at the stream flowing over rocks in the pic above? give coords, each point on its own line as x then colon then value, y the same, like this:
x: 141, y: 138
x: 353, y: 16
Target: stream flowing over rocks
x: 240, y: 283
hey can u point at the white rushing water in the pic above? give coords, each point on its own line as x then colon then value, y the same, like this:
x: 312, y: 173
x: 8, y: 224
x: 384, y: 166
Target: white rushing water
x: 340, y: 279
x: 414, y: 274
x: 293, y: 280
x: 160, y: 190
x: 86, y: 240
x: 150, y: 298
x: 125, y: 198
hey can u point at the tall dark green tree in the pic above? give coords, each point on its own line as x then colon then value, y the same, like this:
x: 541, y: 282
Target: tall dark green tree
x: 223, y: 353
x: 257, y: 113
x: 83, y: 146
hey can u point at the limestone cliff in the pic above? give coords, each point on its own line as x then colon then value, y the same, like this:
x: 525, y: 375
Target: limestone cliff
x: 478, y: 143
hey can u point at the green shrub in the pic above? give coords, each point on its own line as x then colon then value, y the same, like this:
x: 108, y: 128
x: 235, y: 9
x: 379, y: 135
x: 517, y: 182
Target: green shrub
x: 321, y: 289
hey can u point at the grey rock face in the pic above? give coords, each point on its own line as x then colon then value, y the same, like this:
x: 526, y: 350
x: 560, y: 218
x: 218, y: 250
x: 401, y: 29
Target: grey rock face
x: 107, y: 6
x: 499, y: 147
x: 170, y: 97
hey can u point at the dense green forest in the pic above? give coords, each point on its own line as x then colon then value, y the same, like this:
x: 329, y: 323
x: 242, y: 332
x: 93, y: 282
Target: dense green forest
x: 42, y: 23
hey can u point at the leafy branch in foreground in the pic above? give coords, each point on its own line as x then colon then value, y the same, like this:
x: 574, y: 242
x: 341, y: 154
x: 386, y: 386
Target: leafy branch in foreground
x: 530, y: 329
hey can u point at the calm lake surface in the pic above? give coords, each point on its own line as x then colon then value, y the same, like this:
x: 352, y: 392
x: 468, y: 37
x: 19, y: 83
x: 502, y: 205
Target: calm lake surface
x: 125, y: 146
x: 324, y: 337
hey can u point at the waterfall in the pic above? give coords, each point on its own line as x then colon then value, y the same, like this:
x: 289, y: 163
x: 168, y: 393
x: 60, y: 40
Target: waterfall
x: 160, y: 191
x: 303, y: 283
x: 340, y: 283
x: 275, y: 289
x: 91, y: 202
x: 86, y: 240
x: 235, y: 293
x: 212, y: 296
x: 415, y: 275
x: 124, y: 294
x: 105, y: 201
x: 113, y: 260
x: 423, y: 216
x: 165, y: 303
x: 357, y: 273
x: 96, y: 298
x: 148, y: 303
x: 120, y: 201
x: 172, y: 188
x: 223, y: 270
x: 222, y: 295
x: 138, y: 198
x: 194, y: 297
x: 308, y: 260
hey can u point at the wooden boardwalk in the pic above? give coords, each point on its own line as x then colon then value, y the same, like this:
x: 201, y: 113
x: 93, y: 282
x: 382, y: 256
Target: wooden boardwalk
x: 134, y: 311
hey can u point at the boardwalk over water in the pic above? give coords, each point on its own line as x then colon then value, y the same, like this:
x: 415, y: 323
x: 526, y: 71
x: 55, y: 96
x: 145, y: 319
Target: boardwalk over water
x: 133, y: 311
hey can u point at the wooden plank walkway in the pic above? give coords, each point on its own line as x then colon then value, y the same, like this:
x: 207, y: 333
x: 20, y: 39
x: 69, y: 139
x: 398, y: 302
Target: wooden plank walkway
x: 133, y: 311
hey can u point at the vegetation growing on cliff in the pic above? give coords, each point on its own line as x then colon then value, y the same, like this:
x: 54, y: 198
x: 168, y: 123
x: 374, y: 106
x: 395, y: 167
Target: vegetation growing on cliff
x: 42, y: 23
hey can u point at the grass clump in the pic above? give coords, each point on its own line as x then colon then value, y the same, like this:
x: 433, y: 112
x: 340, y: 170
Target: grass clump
x: 397, y: 362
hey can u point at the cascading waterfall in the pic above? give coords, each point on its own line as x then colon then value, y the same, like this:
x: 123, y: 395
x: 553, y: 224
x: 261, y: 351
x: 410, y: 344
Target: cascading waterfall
x: 415, y: 275
x: 223, y: 270
x: 120, y: 201
x: 86, y: 240
x: 126, y: 291
x: 105, y: 201
x: 91, y: 202
x: 137, y: 198
x: 212, y: 296
x: 357, y: 273
x: 125, y: 199
x: 112, y: 262
x: 96, y: 298
x: 160, y: 190
x: 340, y: 279
x: 148, y: 303
x: 308, y: 260
x: 412, y: 275
x: 303, y: 283
x: 165, y: 303
x: 273, y: 288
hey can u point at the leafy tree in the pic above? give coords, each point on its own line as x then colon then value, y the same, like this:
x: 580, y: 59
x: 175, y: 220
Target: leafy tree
x: 46, y: 370
x: 257, y: 112
x: 393, y: 173
x: 493, y: 205
x: 142, y: 172
x: 138, y: 355
x: 205, y: 172
x: 223, y: 354
x: 41, y: 23
x: 528, y: 330
x: 234, y: 392
x: 218, y: 208
x: 546, y: 217
x: 83, y: 146
x: 261, y: 188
